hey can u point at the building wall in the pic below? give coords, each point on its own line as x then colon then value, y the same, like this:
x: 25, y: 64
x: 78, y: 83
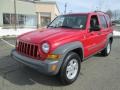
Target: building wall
x: 5, y: 6
x: 57, y: 12
x: 47, y: 8
x: 25, y: 8
x: 1, y: 19
x: 22, y: 7
x: 28, y: 8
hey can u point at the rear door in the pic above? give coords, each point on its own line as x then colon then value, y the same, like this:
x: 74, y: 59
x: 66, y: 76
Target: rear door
x: 104, y: 30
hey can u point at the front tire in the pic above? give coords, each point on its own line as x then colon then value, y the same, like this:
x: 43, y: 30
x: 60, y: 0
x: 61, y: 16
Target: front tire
x: 70, y: 68
x: 107, y: 50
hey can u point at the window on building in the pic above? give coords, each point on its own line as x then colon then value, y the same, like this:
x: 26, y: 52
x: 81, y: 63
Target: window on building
x: 31, y: 20
x: 13, y: 19
x: 103, y: 21
x: 21, y: 19
x: 45, y: 21
x: 45, y: 18
x: 26, y: 20
x: 6, y: 18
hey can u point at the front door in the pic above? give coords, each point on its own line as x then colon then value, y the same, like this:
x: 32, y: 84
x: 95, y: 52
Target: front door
x: 93, y: 39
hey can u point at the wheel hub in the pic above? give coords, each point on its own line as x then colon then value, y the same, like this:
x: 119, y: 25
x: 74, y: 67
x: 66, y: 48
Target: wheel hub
x: 108, y: 48
x: 72, y: 69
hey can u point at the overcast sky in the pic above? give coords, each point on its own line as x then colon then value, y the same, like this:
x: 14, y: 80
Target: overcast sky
x: 88, y: 5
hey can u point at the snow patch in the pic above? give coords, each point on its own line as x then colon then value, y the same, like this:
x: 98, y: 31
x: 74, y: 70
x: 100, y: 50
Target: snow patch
x: 116, y: 33
x: 117, y: 25
x: 10, y: 32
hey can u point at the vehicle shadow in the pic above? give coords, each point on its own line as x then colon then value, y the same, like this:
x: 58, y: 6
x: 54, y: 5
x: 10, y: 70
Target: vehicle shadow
x: 98, y: 55
x: 19, y: 74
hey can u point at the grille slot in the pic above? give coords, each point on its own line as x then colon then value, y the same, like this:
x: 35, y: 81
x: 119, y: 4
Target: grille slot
x: 28, y: 49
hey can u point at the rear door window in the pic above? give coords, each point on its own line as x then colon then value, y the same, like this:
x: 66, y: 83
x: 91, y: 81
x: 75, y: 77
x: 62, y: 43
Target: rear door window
x: 103, y: 21
x: 108, y: 20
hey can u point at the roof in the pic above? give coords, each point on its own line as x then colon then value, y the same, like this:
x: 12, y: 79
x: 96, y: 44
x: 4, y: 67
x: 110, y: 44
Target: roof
x: 76, y: 13
x: 99, y: 12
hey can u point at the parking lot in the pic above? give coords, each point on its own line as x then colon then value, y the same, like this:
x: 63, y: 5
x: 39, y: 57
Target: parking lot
x: 117, y: 28
x: 97, y: 73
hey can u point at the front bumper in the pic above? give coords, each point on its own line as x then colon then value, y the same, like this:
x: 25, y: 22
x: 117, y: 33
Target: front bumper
x: 42, y: 66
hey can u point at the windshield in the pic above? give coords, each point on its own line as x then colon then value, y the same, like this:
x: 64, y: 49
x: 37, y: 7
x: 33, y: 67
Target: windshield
x: 70, y: 21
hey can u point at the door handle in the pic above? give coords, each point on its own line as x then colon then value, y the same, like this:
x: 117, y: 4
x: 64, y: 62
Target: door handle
x: 99, y: 33
x: 91, y: 33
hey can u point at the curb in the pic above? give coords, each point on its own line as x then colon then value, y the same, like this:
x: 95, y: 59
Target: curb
x: 8, y: 37
x: 116, y: 36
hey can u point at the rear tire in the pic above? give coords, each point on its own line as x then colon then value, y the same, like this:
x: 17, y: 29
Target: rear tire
x: 70, y: 68
x: 107, y: 50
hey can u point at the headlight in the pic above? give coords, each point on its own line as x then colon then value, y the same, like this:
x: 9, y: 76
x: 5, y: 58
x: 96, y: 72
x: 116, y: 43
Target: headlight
x: 45, y: 47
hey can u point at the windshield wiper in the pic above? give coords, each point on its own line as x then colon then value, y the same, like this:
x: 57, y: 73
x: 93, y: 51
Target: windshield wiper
x: 61, y: 26
x: 65, y: 26
x: 52, y: 26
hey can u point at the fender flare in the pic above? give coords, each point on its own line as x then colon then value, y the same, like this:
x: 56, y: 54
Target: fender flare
x: 109, y: 36
x: 65, y: 49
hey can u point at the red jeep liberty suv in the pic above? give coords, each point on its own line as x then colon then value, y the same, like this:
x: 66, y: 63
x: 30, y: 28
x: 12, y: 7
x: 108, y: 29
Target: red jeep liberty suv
x: 60, y: 48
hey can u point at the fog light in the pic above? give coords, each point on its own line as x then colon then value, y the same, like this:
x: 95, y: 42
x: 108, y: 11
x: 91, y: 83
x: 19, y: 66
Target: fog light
x: 53, y: 56
x: 53, y: 67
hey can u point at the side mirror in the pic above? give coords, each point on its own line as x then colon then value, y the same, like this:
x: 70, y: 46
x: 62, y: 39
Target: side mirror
x: 96, y: 28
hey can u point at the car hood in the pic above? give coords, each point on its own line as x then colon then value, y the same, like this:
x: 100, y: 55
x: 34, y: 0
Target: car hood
x: 52, y: 35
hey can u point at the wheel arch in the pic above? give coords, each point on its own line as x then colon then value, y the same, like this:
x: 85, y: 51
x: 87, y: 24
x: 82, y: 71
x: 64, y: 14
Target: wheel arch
x: 79, y: 51
x: 63, y: 50
x: 76, y: 47
x: 110, y: 37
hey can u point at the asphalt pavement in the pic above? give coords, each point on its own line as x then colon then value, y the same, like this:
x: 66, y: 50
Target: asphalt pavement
x: 97, y: 73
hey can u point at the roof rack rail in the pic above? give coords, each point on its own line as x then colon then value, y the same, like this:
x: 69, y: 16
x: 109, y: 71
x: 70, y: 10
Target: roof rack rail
x: 99, y: 11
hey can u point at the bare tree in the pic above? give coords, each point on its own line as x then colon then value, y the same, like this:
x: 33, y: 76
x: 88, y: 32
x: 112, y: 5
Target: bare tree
x: 116, y: 14
x: 109, y: 12
x: 65, y: 8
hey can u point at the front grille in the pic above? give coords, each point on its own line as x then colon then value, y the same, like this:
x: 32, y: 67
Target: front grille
x: 28, y: 49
